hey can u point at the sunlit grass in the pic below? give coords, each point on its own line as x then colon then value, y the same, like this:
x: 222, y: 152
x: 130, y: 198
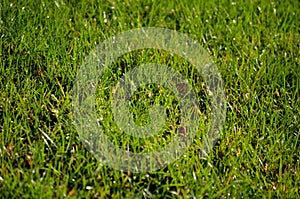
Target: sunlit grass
x: 255, y: 46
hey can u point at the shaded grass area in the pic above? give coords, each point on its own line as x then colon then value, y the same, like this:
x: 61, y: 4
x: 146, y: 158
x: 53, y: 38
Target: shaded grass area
x: 255, y: 46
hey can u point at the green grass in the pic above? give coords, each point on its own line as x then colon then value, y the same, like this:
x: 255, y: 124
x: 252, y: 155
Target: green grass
x: 255, y: 45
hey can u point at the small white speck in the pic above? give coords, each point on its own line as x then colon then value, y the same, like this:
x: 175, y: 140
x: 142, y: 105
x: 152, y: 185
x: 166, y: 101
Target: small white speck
x: 259, y: 9
x: 234, y: 21
x: 173, y: 192
x: 209, y: 164
x: 194, y: 176
x: 88, y: 187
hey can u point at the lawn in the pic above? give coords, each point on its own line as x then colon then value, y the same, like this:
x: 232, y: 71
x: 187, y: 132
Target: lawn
x: 255, y: 46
